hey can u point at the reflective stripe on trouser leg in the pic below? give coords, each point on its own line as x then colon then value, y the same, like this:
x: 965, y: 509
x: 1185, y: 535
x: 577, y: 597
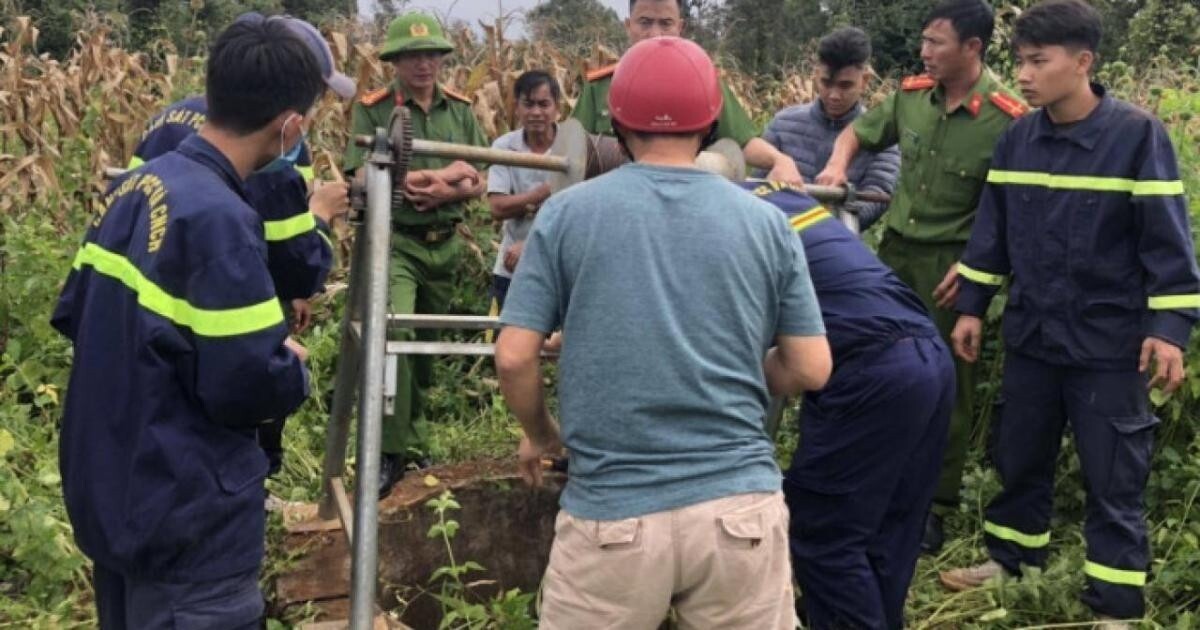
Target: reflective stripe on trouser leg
x: 1114, y: 576
x: 1027, y: 439
x: 1114, y: 434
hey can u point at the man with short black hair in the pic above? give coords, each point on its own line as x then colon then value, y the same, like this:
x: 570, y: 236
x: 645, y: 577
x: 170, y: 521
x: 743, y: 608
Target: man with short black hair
x: 1084, y: 215
x: 946, y: 123
x: 296, y: 220
x: 181, y: 351
x: 515, y: 194
x: 807, y: 132
x: 656, y: 18
x: 683, y: 301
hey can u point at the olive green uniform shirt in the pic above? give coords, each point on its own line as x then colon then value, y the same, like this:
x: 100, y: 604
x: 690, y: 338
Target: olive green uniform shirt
x: 448, y: 120
x: 591, y: 110
x: 944, y: 156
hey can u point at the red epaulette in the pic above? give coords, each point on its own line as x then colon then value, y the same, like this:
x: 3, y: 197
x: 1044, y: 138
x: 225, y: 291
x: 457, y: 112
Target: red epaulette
x: 455, y: 95
x: 1009, y: 105
x: 918, y: 82
x: 374, y: 96
x: 600, y: 73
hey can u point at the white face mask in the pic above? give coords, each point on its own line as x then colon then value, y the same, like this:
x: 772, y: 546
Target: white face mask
x: 287, y: 157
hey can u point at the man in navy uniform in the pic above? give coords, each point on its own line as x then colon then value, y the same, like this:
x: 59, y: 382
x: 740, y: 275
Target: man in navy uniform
x: 1084, y: 216
x: 862, y: 480
x: 295, y: 222
x: 181, y: 350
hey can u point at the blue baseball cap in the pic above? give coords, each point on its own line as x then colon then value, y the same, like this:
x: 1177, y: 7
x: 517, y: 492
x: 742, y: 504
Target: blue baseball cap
x: 341, y: 84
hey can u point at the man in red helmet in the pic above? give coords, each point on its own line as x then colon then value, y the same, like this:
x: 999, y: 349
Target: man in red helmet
x: 684, y: 304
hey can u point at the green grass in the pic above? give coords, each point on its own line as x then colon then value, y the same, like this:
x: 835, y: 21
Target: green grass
x: 44, y: 579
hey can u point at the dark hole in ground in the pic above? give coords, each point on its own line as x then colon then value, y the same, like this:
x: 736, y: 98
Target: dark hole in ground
x: 503, y: 525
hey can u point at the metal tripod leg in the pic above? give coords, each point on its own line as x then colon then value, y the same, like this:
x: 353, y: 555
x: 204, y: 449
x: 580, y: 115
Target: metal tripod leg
x: 378, y: 234
x: 338, y: 434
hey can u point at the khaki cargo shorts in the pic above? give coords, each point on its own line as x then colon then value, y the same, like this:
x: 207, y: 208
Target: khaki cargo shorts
x: 721, y: 564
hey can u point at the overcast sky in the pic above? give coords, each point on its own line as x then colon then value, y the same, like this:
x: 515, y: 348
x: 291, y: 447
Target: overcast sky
x: 471, y: 11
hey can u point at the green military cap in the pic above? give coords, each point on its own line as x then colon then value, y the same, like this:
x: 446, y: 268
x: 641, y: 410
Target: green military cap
x: 414, y: 32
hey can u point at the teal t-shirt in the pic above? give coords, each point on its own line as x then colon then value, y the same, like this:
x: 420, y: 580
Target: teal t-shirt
x: 669, y: 285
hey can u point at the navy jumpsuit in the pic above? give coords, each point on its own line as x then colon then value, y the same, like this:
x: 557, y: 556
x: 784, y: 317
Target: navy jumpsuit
x: 863, y: 478
x: 1088, y: 224
x: 299, y: 249
x: 178, y: 357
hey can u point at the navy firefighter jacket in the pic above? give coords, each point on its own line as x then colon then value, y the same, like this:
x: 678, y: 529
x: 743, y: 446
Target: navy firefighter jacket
x: 864, y: 305
x: 1089, y: 224
x: 178, y: 357
x: 299, y: 251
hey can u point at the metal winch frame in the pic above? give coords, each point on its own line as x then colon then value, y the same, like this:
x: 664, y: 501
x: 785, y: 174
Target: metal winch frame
x: 367, y: 359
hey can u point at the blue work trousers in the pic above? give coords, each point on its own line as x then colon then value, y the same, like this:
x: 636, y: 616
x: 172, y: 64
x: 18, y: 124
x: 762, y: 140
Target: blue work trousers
x: 862, y: 481
x: 1113, y: 428
x: 129, y: 603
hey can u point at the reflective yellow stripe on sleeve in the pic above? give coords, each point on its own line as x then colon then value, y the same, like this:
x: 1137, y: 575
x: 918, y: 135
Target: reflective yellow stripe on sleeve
x: 1168, y: 302
x: 1087, y: 182
x: 306, y: 172
x: 290, y: 227
x: 805, y: 220
x: 982, y: 277
x: 135, y: 162
x: 1158, y: 188
x: 228, y: 322
x: 1029, y: 541
x: 1114, y: 576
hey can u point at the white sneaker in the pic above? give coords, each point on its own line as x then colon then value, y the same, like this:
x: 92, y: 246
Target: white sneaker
x: 968, y: 578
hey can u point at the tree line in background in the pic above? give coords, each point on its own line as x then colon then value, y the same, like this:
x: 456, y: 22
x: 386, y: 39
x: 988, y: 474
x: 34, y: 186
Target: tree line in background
x: 766, y: 37
x: 763, y: 37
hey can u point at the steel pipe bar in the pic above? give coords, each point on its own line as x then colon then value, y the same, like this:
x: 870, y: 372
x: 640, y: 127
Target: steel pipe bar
x: 452, y: 151
x: 457, y: 322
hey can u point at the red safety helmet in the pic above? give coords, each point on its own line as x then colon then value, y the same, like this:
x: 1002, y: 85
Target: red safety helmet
x: 665, y: 85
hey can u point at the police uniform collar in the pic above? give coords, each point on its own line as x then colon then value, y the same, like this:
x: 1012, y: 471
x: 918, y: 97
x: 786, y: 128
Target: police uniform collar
x: 439, y: 97
x: 1085, y: 132
x: 974, y: 98
x: 203, y: 151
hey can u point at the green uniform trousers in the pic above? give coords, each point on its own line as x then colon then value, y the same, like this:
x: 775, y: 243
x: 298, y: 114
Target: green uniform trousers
x: 421, y: 281
x: 922, y: 266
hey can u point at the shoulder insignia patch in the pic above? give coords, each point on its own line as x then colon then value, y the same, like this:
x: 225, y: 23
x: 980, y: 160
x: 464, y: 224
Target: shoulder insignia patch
x: 917, y: 82
x: 1009, y: 105
x: 974, y: 104
x: 600, y: 73
x: 374, y: 96
x: 455, y: 95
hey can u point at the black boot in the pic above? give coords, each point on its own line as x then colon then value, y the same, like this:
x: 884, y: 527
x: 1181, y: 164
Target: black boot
x: 391, y: 470
x: 935, y: 535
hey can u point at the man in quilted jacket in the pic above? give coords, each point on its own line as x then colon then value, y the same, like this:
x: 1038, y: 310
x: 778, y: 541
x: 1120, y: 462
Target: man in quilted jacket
x: 806, y: 132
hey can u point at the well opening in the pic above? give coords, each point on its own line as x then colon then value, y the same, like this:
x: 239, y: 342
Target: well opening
x: 504, y: 525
